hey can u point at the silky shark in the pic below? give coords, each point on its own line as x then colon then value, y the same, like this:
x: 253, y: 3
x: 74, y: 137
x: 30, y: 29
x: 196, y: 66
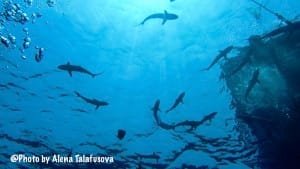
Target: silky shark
x: 94, y: 102
x: 155, y: 110
x: 194, y: 124
x: 177, y: 102
x: 164, y: 16
x: 223, y: 54
x: 74, y: 68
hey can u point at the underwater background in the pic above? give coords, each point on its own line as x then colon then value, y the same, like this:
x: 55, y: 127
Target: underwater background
x: 46, y: 109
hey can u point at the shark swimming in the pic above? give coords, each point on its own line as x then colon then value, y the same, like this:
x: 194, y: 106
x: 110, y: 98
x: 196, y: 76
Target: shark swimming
x: 223, y: 54
x: 194, y: 124
x: 155, y: 110
x: 74, y: 68
x: 94, y: 102
x: 177, y: 102
x: 254, y: 80
x: 164, y: 16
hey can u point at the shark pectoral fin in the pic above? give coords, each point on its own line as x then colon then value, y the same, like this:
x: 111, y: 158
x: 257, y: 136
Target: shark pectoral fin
x: 164, y: 21
x: 70, y: 73
x: 97, y: 107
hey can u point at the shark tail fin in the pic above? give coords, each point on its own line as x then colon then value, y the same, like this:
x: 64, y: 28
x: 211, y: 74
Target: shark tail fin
x: 205, y: 69
x: 96, y: 74
x: 77, y: 94
x: 142, y: 23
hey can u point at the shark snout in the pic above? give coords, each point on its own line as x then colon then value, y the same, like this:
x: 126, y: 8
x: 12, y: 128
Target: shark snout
x: 62, y: 67
x: 173, y: 16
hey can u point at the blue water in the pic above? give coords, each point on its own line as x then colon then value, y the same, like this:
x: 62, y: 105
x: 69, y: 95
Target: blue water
x: 140, y: 64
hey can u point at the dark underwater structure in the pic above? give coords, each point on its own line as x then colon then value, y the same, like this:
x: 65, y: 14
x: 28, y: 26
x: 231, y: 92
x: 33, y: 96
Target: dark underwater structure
x: 271, y: 110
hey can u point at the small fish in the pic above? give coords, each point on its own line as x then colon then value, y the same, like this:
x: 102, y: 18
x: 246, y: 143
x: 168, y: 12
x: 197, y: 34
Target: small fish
x: 15, y: 86
x: 80, y: 110
x: 46, y: 111
x: 35, y: 76
x: 51, y: 97
x: 64, y: 95
x: 121, y: 134
x: 5, y: 105
x: 14, y: 109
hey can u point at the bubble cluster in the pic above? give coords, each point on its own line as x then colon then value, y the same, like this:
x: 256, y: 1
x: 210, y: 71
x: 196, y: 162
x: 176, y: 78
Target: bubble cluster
x: 15, y: 13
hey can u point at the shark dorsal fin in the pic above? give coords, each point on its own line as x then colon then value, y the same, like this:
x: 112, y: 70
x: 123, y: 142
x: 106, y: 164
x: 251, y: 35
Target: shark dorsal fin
x: 68, y: 63
x: 165, y: 17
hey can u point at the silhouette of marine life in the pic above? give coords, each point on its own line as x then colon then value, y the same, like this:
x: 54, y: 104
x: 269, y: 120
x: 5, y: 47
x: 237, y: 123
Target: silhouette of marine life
x: 121, y: 134
x: 164, y: 16
x: 177, y: 102
x: 74, y: 68
x: 194, y: 124
x: 9, y: 62
x: 154, y: 156
x: 14, y: 109
x: 64, y: 95
x: 156, y: 109
x: 94, y: 102
x: 34, y: 144
x: 11, y: 84
x: 223, y: 54
x: 79, y: 110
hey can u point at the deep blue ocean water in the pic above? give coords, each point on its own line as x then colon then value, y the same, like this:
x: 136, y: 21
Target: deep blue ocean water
x: 140, y: 64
